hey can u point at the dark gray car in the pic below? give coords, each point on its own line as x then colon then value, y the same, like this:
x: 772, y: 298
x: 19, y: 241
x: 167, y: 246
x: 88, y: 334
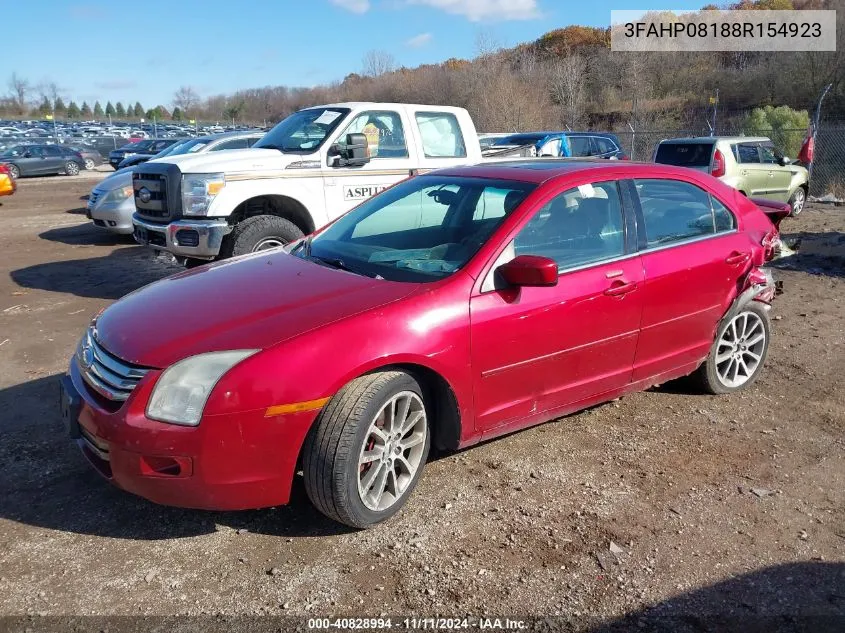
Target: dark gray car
x: 40, y: 160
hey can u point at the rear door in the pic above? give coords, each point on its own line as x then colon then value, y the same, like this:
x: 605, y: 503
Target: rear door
x: 53, y: 160
x: 543, y: 349
x: 390, y: 161
x: 693, y: 258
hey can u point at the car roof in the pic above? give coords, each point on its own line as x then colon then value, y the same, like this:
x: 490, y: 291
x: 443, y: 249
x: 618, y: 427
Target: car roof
x: 710, y: 139
x: 540, y: 170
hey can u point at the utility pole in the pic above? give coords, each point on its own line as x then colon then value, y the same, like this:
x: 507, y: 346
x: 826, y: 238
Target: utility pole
x: 715, y: 112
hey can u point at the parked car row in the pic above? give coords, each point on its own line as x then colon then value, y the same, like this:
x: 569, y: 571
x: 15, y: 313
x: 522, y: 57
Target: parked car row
x: 39, y: 160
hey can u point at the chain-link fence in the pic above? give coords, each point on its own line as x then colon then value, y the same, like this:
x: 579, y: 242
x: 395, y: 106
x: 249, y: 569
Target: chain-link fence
x: 828, y: 177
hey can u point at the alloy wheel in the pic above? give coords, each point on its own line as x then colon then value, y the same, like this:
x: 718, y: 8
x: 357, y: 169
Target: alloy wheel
x: 392, y: 451
x: 798, y: 199
x: 740, y: 349
x: 89, y: 163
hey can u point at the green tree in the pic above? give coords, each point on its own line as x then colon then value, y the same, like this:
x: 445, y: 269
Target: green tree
x: 138, y: 111
x: 85, y: 111
x: 119, y: 110
x: 98, y: 110
x: 110, y: 109
x: 177, y: 114
x: 59, y: 106
x: 45, y: 107
x: 73, y: 110
x: 785, y: 126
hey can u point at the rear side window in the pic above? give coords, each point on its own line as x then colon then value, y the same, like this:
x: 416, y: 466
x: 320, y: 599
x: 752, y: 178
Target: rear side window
x: 675, y: 211
x: 580, y: 145
x: 684, y: 154
x: 441, y: 135
x: 746, y: 153
x: 604, y: 145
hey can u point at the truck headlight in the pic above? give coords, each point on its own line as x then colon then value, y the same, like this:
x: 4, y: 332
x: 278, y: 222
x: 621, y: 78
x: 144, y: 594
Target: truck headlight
x: 198, y: 190
x: 181, y: 392
x: 128, y: 154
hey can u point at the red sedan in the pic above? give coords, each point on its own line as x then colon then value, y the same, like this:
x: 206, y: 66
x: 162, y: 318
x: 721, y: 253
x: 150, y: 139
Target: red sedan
x: 454, y: 307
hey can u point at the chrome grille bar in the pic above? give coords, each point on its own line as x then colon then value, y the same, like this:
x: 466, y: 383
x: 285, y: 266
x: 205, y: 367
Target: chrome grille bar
x: 108, y: 375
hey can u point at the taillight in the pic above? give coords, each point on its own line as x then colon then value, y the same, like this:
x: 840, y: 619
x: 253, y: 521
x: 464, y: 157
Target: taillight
x: 624, y: 157
x: 718, y: 168
x: 4, y: 169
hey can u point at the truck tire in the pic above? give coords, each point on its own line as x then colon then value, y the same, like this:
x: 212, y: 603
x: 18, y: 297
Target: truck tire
x: 366, y: 451
x: 259, y: 233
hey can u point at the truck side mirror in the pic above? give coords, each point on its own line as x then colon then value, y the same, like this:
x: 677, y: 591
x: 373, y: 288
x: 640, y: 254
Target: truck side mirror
x: 356, y: 152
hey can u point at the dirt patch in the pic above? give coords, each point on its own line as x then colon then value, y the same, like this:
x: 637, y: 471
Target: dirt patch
x: 714, y: 505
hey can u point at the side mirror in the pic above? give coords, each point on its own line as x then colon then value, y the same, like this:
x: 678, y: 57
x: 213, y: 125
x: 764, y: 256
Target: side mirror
x: 783, y: 161
x: 530, y: 270
x: 355, y: 153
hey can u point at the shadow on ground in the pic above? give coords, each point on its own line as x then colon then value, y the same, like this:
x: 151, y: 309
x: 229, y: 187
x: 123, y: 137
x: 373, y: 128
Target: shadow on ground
x: 46, y: 482
x: 806, y: 596
x: 817, y: 253
x: 108, y: 277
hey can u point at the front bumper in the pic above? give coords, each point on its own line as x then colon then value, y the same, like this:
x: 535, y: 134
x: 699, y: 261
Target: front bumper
x: 114, y: 216
x: 198, y: 239
x: 229, y: 462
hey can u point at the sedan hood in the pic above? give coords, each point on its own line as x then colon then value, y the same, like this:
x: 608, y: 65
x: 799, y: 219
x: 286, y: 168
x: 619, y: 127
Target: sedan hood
x: 252, y: 302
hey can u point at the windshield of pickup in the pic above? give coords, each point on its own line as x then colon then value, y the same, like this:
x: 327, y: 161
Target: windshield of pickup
x: 422, y: 229
x: 303, y: 131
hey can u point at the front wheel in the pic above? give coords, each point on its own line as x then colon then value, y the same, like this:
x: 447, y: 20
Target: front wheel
x: 14, y: 172
x: 71, y: 168
x: 797, y: 201
x: 259, y: 233
x: 737, y: 356
x: 366, y: 451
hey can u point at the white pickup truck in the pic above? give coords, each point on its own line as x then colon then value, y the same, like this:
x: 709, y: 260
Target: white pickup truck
x: 312, y: 167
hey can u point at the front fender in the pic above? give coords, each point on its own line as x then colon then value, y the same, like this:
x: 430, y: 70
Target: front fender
x: 307, y: 191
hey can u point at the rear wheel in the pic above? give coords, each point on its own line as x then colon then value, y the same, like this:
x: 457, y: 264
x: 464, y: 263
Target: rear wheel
x: 71, y: 168
x: 737, y: 356
x: 259, y: 233
x: 366, y: 451
x: 797, y: 201
x: 89, y: 164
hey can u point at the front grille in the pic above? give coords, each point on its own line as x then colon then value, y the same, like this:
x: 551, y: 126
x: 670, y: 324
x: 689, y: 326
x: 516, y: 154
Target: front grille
x: 108, y: 375
x: 151, y: 195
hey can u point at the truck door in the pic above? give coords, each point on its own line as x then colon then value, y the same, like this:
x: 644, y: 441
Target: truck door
x: 390, y: 161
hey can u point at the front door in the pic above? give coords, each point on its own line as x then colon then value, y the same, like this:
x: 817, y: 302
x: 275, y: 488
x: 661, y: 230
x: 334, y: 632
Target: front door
x: 541, y: 349
x: 692, y: 256
x: 347, y: 187
x: 780, y: 176
x: 755, y: 175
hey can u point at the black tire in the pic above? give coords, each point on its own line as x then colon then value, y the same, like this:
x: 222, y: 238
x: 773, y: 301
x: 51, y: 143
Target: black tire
x: 71, y: 168
x: 191, y: 262
x: 708, y: 376
x: 14, y: 171
x: 249, y: 235
x: 799, y: 197
x: 334, y: 443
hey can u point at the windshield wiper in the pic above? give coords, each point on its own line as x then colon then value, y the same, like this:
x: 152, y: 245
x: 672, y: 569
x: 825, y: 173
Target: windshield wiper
x: 336, y: 262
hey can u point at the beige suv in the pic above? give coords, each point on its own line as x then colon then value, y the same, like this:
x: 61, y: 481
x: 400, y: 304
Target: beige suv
x: 750, y: 164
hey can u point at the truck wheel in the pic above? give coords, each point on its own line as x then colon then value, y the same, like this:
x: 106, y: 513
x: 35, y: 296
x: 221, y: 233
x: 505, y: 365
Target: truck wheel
x: 365, y: 453
x: 259, y: 233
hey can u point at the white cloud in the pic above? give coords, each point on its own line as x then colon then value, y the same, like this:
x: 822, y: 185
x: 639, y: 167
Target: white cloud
x: 477, y: 10
x: 356, y: 6
x: 419, y: 41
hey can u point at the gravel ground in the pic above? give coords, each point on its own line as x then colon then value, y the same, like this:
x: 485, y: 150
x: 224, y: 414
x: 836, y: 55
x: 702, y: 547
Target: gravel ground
x: 664, y: 503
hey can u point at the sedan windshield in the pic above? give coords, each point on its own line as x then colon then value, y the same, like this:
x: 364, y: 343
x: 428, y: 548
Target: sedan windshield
x: 423, y: 229
x: 303, y: 131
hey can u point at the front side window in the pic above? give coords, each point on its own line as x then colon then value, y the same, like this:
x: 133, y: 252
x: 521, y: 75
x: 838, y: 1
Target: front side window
x: 384, y: 132
x: 675, y: 211
x: 604, y: 145
x: 577, y: 227
x: 768, y: 154
x: 422, y: 229
x: 441, y: 135
x: 236, y: 143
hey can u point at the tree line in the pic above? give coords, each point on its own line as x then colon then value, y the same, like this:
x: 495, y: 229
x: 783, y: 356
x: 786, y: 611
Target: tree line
x: 568, y: 78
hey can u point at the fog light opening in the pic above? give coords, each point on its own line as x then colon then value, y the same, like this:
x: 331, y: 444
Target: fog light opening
x: 166, y: 466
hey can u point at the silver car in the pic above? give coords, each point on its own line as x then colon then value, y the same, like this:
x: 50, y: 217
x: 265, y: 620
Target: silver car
x: 111, y: 203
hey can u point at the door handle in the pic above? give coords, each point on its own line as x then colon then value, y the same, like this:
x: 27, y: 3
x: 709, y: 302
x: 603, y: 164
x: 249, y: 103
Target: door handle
x: 736, y: 258
x: 620, y: 287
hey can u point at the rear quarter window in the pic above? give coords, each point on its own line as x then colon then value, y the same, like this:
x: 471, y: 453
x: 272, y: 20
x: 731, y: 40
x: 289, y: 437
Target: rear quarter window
x: 684, y: 154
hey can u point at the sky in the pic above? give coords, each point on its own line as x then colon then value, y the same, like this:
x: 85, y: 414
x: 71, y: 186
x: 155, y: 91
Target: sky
x: 120, y: 52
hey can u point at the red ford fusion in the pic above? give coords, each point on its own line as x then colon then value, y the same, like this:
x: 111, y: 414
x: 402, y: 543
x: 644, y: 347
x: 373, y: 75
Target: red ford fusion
x: 452, y: 308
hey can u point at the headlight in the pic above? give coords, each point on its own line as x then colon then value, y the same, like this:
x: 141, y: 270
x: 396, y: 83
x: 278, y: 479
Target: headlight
x: 182, y: 390
x: 119, y: 195
x: 198, y: 190
x: 128, y: 154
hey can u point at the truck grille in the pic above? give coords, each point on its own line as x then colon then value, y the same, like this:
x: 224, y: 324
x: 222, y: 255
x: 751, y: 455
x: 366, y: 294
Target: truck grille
x: 151, y: 195
x: 108, y: 375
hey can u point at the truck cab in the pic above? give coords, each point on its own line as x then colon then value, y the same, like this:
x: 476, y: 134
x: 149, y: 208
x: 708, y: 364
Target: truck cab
x: 309, y: 169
